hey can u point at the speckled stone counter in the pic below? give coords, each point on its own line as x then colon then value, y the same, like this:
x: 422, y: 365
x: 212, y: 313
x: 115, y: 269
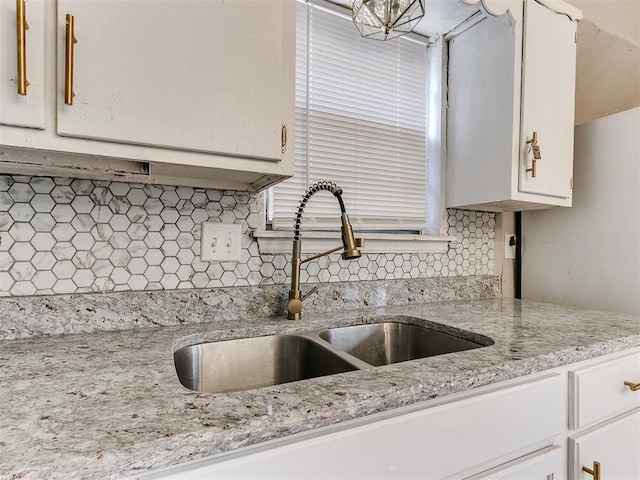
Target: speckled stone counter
x: 108, y: 404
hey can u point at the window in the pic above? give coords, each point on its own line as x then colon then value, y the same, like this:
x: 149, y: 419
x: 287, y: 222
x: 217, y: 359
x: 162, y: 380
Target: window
x: 361, y: 123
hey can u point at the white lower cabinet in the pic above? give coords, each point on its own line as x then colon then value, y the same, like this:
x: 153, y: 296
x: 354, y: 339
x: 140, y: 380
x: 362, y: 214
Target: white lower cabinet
x: 514, y: 430
x: 428, y: 442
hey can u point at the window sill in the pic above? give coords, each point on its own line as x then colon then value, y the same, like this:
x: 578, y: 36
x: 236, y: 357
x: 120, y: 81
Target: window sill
x: 272, y: 242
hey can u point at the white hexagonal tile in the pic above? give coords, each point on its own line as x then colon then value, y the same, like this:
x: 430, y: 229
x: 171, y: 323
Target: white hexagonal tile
x: 185, y: 256
x: 170, y: 281
x: 102, y: 268
x: 136, y: 196
x: 169, y: 216
x: 138, y: 282
x: 43, y: 280
x: 63, y: 213
x: 119, y: 189
x: 42, y: 184
x: 170, y: 248
x: 42, y: 203
x: 101, y: 196
x: 21, y: 192
x: 170, y: 265
x: 169, y: 198
x: 83, y: 241
x: 82, y: 204
x: 22, y: 251
x: 62, y: 194
x: 154, y: 273
x: 154, y: 256
x: 120, y: 276
x: 119, y: 223
x: 185, y: 272
x: 22, y: 271
x: 43, y: 260
x: 120, y: 258
x: 102, y: 285
x: 170, y: 232
x: 137, y: 266
x: 64, y: 269
x: 21, y: 212
x: 81, y: 186
x: 137, y: 214
x: 119, y: 205
x: 83, y: 260
x: 43, y: 241
x: 102, y: 250
x: 83, y: 278
x: 23, y: 288
x: 137, y: 248
x: 119, y: 240
x: 21, y: 232
x: 101, y: 214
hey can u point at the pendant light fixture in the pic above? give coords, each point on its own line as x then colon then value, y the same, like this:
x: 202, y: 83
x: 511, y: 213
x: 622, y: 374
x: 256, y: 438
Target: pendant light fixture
x: 386, y: 19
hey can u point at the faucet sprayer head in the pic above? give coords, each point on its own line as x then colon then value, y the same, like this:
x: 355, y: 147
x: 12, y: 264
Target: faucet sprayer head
x: 348, y: 240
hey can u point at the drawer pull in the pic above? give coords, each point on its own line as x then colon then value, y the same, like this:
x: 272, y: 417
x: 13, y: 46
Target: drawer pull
x: 632, y: 386
x: 595, y: 471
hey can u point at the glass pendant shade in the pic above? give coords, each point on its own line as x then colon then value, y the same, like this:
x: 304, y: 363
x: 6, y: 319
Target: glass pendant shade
x: 386, y: 19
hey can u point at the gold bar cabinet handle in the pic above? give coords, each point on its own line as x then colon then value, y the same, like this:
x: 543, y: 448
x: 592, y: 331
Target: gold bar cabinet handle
x: 283, y: 138
x: 595, y: 471
x: 633, y: 386
x: 21, y: 40
x: 534, y: 139
x: 532, y: 169
x: 70, y: 40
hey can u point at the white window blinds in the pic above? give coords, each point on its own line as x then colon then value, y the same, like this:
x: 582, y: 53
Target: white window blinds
x: 360, y: 122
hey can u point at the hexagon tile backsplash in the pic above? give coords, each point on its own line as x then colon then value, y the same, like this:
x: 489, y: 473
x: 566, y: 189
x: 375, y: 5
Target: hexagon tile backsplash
x: 60, y: 235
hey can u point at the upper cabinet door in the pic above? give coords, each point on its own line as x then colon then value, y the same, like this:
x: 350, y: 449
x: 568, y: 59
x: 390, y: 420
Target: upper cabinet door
x: 201, y: 75
x: 548, y: 98
x: 22, y: 40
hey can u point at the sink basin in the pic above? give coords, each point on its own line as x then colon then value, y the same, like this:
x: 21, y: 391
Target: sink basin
x: 247, y: 363
x: 391, y: 342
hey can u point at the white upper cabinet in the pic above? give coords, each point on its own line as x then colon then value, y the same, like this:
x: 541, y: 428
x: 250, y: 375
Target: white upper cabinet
x: 194, y: 92
x: 189, y: 75
x: 511, y: 107
x: 24, y: 108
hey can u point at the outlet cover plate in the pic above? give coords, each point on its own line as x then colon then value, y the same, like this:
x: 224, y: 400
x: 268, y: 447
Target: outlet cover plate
x: 220, y: 242
x: 509, y: 250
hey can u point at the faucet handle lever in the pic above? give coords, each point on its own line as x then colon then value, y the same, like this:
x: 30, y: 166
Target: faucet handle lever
x: 359, y: 242
x: 310, y: 292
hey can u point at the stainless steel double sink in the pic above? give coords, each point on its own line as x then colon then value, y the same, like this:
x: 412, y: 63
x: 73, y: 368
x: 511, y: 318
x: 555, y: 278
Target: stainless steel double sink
x: 246, y: 363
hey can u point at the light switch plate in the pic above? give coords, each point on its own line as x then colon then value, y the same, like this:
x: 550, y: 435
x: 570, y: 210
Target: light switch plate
x: 220, y: 242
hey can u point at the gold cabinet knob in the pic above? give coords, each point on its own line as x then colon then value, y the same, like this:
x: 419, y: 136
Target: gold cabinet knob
x: 595, y: 471
x: 633, y: 386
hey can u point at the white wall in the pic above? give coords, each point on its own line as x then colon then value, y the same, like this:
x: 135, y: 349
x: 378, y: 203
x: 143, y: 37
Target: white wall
x: 588, y: 256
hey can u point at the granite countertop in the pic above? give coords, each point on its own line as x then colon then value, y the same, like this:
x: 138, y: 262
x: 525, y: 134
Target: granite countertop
x: 108, y: 404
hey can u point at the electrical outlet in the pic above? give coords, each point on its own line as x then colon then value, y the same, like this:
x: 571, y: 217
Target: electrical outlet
x: 509, y: 249
x: 220, y: 242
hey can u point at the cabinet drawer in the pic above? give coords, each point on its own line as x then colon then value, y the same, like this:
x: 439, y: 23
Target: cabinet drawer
x: 433, y: 442
x: 544, y: 464
x: 613, y: 444
x: 598, y: 392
